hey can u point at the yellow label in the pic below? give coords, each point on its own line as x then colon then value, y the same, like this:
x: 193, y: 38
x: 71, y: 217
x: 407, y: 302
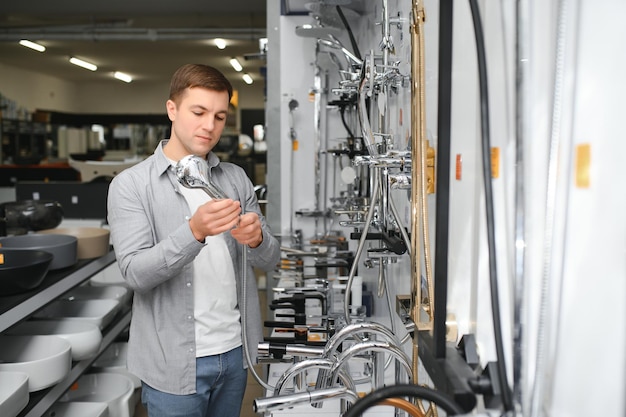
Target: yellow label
x: 495, y: 162
x: 1, y: 258
x: 583, y: 163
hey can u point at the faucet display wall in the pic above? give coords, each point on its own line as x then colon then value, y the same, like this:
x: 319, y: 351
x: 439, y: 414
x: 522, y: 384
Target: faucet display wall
x: 395, y: 96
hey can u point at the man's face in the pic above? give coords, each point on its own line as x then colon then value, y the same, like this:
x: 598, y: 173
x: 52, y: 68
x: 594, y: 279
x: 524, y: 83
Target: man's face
x: 197, y: 122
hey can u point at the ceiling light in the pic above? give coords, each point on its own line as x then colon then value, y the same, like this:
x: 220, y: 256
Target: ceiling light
x: 84, y: 64
x: 235, y: 64
x: 32, y: 45
x: 122, y: 76
x: 247, y: 78
x: 220, y: 43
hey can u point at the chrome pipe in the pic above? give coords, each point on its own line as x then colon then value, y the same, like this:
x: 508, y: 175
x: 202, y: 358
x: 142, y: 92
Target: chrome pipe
x: 357, y: 328
x: 349, y: 331
x: 375, y: 346
x: 366, y: 130
x: 314, y: 363
x: 269, y: 404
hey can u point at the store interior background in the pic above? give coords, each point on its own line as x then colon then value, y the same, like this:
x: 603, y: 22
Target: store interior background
x: 587, y: 303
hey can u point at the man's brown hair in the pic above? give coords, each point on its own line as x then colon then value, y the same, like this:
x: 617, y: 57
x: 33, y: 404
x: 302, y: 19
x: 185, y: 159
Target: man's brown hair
x: 198, y: 75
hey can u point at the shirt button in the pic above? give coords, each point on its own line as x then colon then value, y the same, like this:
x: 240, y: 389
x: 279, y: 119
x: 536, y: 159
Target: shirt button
x: 190, y: 350
x: 189, y: 317
x: 189, y: 284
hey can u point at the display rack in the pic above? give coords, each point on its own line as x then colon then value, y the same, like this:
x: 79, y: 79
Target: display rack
x: 16, y: 308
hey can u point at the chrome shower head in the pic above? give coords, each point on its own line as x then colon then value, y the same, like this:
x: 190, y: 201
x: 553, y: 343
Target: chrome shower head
x: 191, y: 173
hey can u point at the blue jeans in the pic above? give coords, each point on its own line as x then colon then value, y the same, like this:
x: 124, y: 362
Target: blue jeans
x: 220, y: 386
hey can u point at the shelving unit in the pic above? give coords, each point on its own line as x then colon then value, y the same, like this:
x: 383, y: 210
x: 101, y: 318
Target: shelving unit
x: 16, y: 308
x: 23, y: 140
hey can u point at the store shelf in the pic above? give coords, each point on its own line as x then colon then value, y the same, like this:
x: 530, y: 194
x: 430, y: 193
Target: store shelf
x: 15, y: 308
x: 40, y: 402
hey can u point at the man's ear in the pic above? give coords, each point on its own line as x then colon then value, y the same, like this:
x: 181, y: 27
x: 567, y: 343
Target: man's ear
x: 171, y: 110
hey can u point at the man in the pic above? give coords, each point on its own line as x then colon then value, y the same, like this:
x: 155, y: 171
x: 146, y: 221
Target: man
x: 181, y: 253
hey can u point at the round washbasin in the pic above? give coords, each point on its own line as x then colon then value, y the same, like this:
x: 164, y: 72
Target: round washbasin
x: 78, y: 409
x: 22, y: 270
x: 14, y: 394
x: 28, y: 215
x: 46, y: 359
x: 113, y: 359
x: 111, y: 292
x: 93, y: 242
x: 98, y: 312
x: 62, y: 247
x: 115, y: 390
x: 85, y: 338
x: 109, y: 276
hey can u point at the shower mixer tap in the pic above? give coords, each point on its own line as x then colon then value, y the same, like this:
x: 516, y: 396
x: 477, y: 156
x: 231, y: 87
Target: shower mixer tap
x: 191, y: 172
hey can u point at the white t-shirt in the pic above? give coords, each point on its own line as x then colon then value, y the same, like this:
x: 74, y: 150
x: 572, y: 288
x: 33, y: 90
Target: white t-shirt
x: 217, y: 319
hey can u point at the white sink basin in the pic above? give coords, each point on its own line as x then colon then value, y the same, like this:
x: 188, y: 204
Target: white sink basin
x: 98, y: 312
x: 46, y: 359
x: 78, y: 409
x: 113, y: 359
x: 14, y: 394
x: 113, y: 292
x: 114, y: 389
x: 109, y: 276
x: 84, y: 337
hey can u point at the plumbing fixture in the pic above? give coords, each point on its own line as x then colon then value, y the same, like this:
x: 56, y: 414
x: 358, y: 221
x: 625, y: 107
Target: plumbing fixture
x: 280, y: 350
x: 312, y: 363
x: 279, y: 402
x: 359, y: 348
x: 191, y: 173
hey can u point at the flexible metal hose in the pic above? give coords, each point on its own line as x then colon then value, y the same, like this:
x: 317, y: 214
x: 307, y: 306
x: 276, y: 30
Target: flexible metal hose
x: 191, y: 173
x: 361, y: 245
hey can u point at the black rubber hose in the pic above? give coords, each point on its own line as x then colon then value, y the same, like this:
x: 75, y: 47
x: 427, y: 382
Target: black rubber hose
x: 342, y: 111
x: 355, y: 47
x: 404, y: 390
x: 507, y: 401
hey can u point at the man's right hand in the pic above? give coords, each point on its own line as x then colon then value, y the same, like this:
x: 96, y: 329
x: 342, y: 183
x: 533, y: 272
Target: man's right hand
x: 214, y: 217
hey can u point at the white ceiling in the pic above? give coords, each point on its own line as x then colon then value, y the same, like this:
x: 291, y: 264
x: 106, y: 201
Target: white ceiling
x: 147, y: 39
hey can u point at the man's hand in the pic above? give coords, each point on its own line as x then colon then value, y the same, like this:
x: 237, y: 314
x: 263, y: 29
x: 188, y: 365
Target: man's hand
x: 214, y: 217
x: 248, y: 231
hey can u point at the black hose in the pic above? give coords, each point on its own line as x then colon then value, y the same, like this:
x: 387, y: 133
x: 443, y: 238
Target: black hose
x: 355, y: 47
x: 507, y: 401
x: 342, y: 111
x: 404, y: 390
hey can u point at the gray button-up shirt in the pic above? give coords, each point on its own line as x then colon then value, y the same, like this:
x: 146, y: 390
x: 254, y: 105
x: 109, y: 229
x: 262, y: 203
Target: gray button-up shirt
x: 155, y: 250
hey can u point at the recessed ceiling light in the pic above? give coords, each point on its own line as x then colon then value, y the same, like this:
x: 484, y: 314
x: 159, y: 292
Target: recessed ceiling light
x: 220, y: 43
x: 84, y: 64
x: 32, y: 45
x: 247, y: 78
x: 122, y: 76
x: 235, y: 64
